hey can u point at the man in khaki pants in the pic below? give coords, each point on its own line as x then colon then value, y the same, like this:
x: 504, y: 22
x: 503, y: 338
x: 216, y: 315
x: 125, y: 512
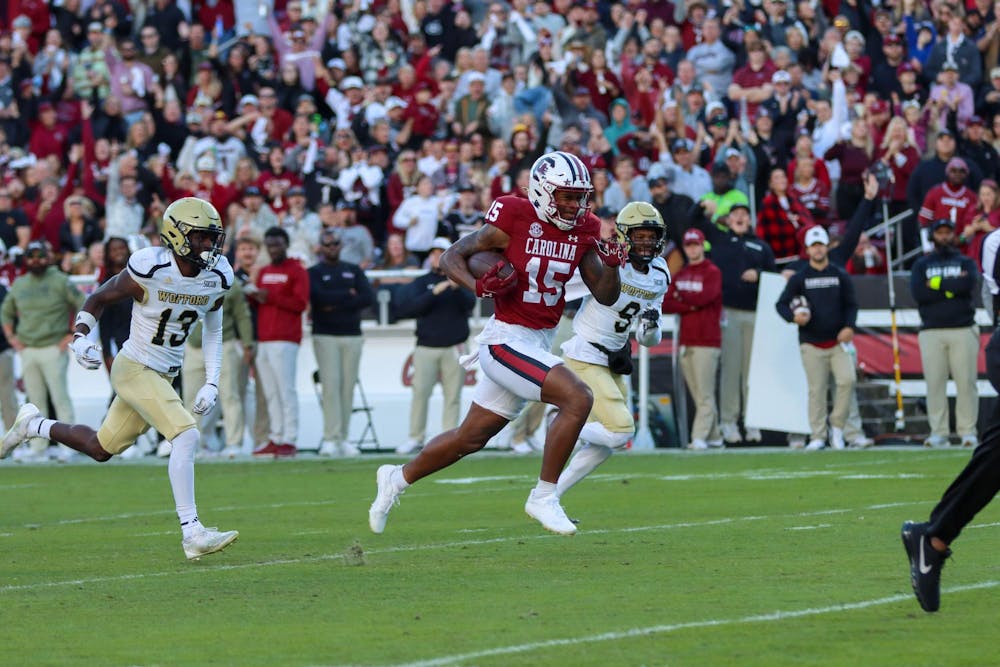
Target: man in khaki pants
x: 37, y: 315
x: 696, y: 295
x: 442, y: 308
x: 943, y: 284
x: 820, y: 299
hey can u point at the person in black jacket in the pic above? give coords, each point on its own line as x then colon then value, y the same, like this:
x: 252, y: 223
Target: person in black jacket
x: 944, y: 285
x: 742, y: 257
x: 338, y: 292
x: 442, y: 308
x: 825, y: 311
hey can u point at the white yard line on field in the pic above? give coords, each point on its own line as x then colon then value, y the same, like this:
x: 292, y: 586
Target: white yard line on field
x: 41, y: 585
x: 818, y: 526
x: 674, y: 627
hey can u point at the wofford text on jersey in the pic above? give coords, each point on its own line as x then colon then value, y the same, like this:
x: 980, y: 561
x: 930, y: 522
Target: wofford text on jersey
x: 183, y: 299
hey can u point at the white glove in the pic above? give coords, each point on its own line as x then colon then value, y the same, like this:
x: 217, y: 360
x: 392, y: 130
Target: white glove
x: 87, y: 352
x: 206, y: 398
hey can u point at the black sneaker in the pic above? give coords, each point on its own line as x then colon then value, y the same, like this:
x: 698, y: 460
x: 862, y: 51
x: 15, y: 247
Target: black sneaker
x: 926, y: 564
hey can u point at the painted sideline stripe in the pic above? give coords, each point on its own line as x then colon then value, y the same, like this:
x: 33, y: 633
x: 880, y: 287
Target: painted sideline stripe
x: 674, y: 627
x: 41, y: 585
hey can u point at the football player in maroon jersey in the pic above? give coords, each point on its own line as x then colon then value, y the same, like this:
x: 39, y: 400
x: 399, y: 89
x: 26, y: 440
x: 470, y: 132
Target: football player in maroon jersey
x: 545, y: 237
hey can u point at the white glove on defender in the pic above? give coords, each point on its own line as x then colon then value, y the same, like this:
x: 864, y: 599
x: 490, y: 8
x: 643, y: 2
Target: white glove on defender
x: 87, y: 352
x: 206, y: 398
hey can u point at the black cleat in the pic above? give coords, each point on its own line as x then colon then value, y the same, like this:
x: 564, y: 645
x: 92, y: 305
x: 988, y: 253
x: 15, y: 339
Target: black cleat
x: 926, y: 564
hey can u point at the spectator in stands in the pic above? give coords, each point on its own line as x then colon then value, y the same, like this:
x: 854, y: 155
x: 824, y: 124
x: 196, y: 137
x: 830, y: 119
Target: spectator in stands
x: 951, y: 200
x: 419, y: 215
x: 944, y: 285
x: 696, y: 295
x: 973, y: 144
x: 855, y: 154
x: 723, y: 197
x: 281, y: 292
x: 442, y: 309
x: 627, y: 186
x: 36, y: 317
x: 825, y: 311
x: 338, y: 293
x: 780, y: 217
x: 8, y: 395
x: 689, y: 177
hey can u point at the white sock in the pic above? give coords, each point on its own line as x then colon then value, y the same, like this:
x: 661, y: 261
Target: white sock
x: 598, y: 434
x: 588, y: 457
x: 397, y: 478
x: 181, y: 471
x: 41, y: 426
x: 544, y: 489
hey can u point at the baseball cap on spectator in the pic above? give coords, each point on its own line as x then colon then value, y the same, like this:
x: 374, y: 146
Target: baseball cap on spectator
x: 45, y: 106
x: 721, y: 168
x: 739, y: 204
x: 22, y: 21
x: 375, y: 148
x: 298, y: 34
x: 207, y: 66
x: 336, y: 63
x: 440, y: 243
x: 781, y: 76
x: 956, y: 163
x: 880, y: 106
x: 36, y: 246
x: 467, y: 187
x: 949, y: 65
x: 906, y: 66
x: 925, y: 25
x: 762, y: 112
x: 696, y: 3
x: 682, y: 144
x: 252, y: 191
x: 296, y: 191
x: 193, y: 118
x: 351, y: 82
x: 249, y: 99
x: 694, y: 236
x: 854, y: 34
x: 669, y: 103
x: 581, y: 91
x: 892, y: 39
x: 304, y: 97
x: 975, y: 120
x: 942, y: 222
x: 477, y: 76
x: 816, y: 235
x: 945, y: 132
x: 395, y: 103
x: 910, y: 103
x: 205, y: 163
x: 732, y: 152
x: 95, y: 26
x: 713, y: 108
x: 657, y: 181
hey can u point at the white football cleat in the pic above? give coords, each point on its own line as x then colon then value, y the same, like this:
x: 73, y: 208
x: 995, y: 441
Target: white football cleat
x: 329, y: 448
x: 837, y: 437
x: 815, y: 445
x: 386, y: 497
x: 349, y: 449
x: 698, y: 443
x: 970, y: 441
x: 862, y: 442
x: 730, y: 432
x: 18, y: 431
x: 548, y: 512
x: 753, y: 435
x: 231, y: 452
x: 207, y: 541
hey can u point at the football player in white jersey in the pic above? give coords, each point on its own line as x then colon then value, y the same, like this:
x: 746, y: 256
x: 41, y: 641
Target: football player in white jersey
x: 600, y: 351
x: 172, y: 287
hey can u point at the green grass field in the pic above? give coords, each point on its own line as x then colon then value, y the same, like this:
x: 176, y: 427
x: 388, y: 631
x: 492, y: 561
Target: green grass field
x: 731, y: 558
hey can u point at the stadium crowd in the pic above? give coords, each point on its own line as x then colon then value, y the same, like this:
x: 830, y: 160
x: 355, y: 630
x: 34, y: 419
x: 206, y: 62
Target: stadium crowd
x: 395, y: 123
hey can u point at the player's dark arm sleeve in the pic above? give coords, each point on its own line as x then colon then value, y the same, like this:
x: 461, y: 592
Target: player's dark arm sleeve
x: 852, y: 233
x: 412, y: 301
x: 792, y: 289
x: 849, y: 298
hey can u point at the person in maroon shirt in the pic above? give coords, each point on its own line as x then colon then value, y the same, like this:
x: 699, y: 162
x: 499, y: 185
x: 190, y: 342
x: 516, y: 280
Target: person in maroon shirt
x: 696, y: 295
x: 855, y: 156
x: 424, y: 115
x: 752, y: 82
x: 47, y: 136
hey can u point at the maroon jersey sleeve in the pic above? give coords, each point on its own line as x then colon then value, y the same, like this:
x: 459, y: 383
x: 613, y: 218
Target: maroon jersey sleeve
x: 544, y: 258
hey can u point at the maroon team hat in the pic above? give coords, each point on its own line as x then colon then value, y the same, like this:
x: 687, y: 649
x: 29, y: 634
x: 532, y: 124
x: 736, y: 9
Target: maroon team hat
x: 694, y: 236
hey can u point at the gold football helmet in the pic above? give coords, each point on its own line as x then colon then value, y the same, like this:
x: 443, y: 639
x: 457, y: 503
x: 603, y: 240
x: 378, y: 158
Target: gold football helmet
x: 641, y: 215
x: 188, y: 215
